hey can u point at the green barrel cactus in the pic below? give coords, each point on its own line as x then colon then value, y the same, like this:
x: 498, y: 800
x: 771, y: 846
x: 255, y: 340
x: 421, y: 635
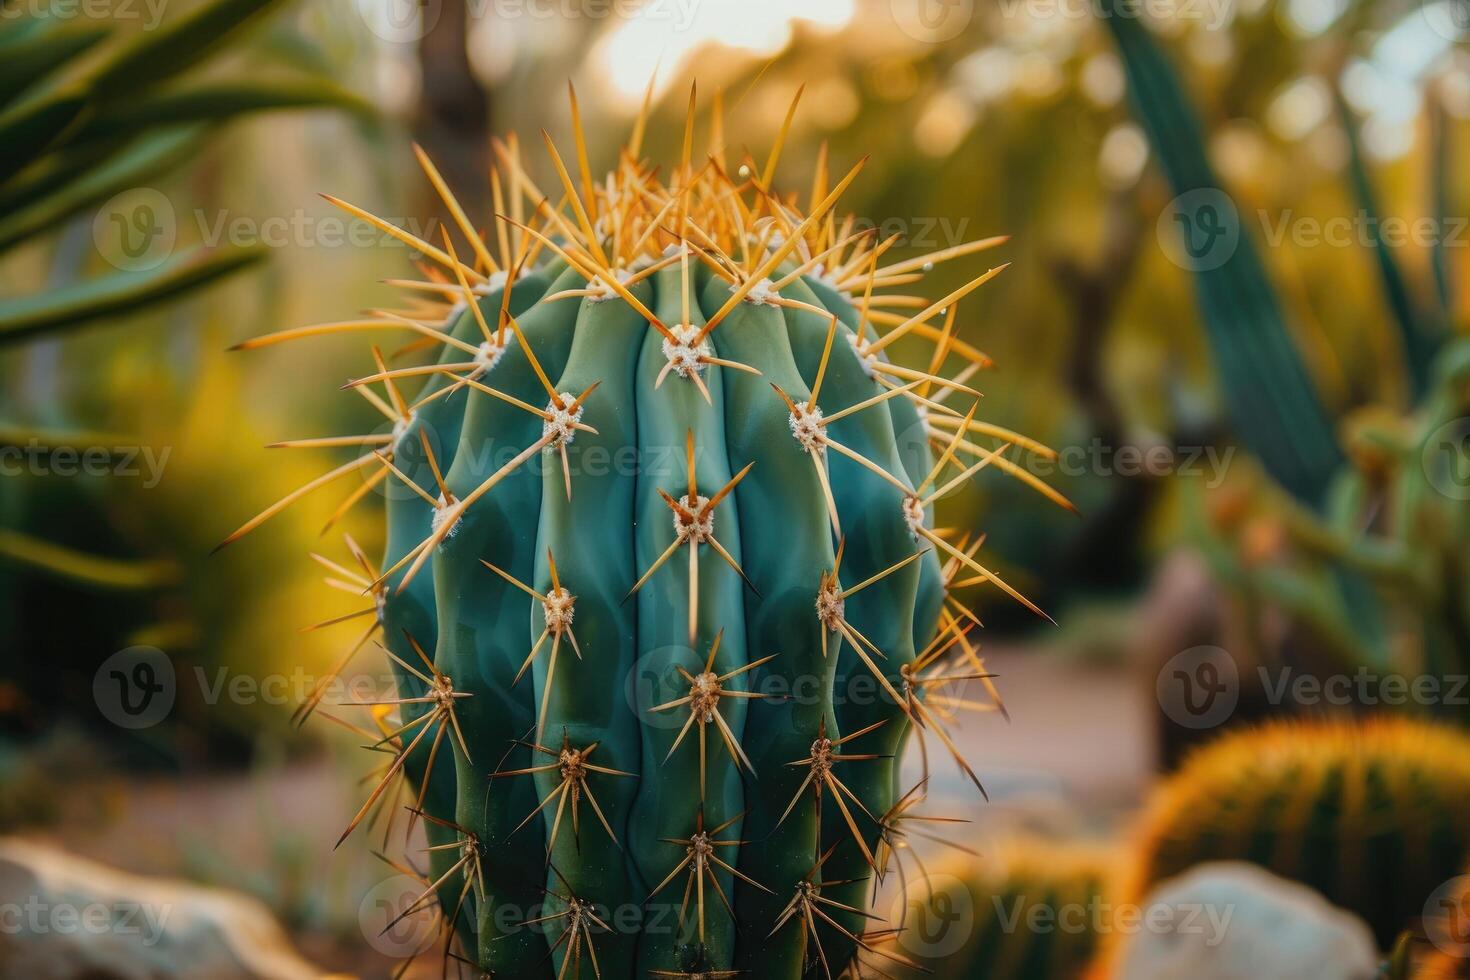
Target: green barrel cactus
x: 1026, y: 910
x: 661, y: 582
x: 1369, y: 813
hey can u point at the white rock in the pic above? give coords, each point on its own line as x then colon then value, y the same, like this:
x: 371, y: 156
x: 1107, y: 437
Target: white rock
x: 66, y: 918
x: 1237, y: 921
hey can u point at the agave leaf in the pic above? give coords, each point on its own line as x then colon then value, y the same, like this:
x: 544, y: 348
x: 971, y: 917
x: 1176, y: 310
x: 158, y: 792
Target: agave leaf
x: 26, y: 62
x: 1439, y: 187
x: 1273, y: 406
x: 119, y: 293
x: 56, y: 170
x: 216, y: 103
x: 15, y: 30
x: 1419, y: 332
x: 12, y: 434
x: 138, y: 162
x: 80, y: 567
x: 176, y: 46
x: 31, y: 127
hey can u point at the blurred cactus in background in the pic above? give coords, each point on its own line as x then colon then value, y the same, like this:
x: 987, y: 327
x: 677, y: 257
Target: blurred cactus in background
x: 1367, y: 553
x: 661, y: 475
x: 1370, y: 814
x: 1029, y: 910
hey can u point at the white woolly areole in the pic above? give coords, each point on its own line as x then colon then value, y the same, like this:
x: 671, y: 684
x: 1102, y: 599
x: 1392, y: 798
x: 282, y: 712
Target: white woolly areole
x: 496, y: 280
x: 400, y: 428
x: 820, y: 274
x: 763, y: 293
x: 704, y: 696
x: 806, y: 426
x: 830, y: 606
x: 441, y: 515
x: 488, y: 354
x: 558, y: 608
x: 683, y: 352
x: 602, y: 291
x: 703, y: 525
x: 562, y: 424
x: 913, y: 513
x: 923, y: 413
x: 868, y: 359
x: 821, y: 764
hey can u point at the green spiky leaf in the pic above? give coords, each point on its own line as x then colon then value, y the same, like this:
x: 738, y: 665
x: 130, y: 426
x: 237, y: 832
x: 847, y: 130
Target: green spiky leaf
x: 25, y: 62
x: 218, y: 103
x: 138, y: 162
x: 120, y: 293
x: 1268, y: 392
x: 177, y: 46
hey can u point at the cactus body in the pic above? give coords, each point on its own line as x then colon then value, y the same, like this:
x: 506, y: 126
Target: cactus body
x: 661, y: 581
x: 1030, y: 910
x: 1371, y: 814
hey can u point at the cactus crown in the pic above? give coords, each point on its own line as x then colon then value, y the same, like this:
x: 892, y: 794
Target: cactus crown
x: 1369, y: 813
x: 661, y: 581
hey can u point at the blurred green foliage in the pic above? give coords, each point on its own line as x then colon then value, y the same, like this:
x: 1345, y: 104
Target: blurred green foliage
x: 89, y: 110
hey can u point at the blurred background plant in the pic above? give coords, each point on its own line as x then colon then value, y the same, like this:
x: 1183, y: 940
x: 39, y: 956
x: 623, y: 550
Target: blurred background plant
x: 91, y: 115
x: 1262, y: 452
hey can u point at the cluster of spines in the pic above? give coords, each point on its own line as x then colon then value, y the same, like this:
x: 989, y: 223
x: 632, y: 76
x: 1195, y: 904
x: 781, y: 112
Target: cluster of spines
x: 614, y: 236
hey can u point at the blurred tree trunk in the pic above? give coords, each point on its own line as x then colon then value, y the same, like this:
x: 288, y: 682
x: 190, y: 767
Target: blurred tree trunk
x: 453, y: 123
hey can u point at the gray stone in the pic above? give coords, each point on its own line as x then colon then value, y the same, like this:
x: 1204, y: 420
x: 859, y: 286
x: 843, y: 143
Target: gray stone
x: 1237, y: 921
x: 66, y: 918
